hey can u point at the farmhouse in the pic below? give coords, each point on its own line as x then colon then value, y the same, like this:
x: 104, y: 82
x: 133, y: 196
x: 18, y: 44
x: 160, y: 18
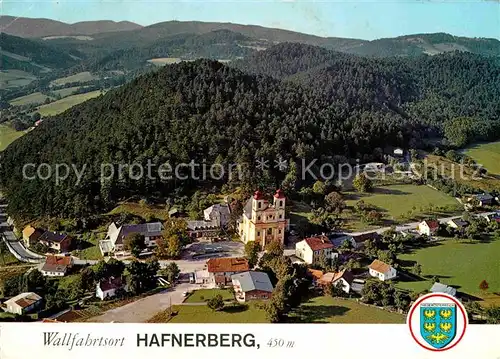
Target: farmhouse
x: 200, y: 229
x: 219, y: 213
x: 381, y: 270
x: 252, y: 286
x: 23, y: 303
x: 262, y: 221
x: 312, y: 250
x: 360, y: 239
x: 108, y: 288
x: 457, y: 224
x: 31, y: 235
x: 114, y: 241
x: 443, y: 288
x: 428, y: 227
x: 483, y: 199
x: 343, y: 279
x: 56, y: 266
x: 220, y: 270
x: 59, y: 242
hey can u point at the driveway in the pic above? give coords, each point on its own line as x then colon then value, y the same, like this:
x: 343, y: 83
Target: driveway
x: 144, y: 309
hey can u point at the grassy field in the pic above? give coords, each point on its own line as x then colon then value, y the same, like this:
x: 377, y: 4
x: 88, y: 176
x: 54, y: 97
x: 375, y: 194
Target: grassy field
x: 62, y: 105
x: 79, y: 77
x: 66, y: 91
x: 35, y: 98
x: 8, y: 135
x: 15, y: 78
x: 11, y: 271
x: 142, y: 210
x: 332, y: 310
x: 462, y: 174
x: 463, y: 264
x: 397, y: 201
x: 203, y: 314
x: 487, y: 155
x: 203, y: 295
x: 90, y: 248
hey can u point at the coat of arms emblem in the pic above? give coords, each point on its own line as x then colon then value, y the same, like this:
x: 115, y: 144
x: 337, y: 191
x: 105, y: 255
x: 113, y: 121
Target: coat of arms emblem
x: 438, y: 323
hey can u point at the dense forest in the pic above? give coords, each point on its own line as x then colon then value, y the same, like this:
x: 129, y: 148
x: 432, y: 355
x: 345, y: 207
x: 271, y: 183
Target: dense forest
x: 291, y: 101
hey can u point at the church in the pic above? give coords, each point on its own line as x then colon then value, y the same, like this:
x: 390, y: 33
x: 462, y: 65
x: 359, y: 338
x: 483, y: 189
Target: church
x: 263, y: 221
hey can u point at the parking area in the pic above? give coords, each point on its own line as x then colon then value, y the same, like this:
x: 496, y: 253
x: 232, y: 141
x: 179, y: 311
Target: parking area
x: 206, y: 250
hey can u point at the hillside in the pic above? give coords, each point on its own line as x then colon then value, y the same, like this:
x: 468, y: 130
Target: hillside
x: 39, y: 28
x: 349, y: 107
x: 31, y: 56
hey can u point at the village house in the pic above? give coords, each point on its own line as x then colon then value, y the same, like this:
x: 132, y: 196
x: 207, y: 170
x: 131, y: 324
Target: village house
x: 491, y: 217
x: 108, y: 288
x: 203, y: 229
x: 381, y: 270
x: 315, y: 275
x: 344, y: 277
x: 23, y: 303
x: 251, y: 285
x: 311, y: 250
x: 114, y: 241
x: 338, y: 240
x: 428, y: 227
x: 443, y: 288
x: 60, y: 242
x: 457, y: 224
x: 220, y: 213
x: 31, y: 235
x: 262, y: 221
x: 57, y: 266
x: 484, y: 199
x: 220, y: 270
x: 360, y: 239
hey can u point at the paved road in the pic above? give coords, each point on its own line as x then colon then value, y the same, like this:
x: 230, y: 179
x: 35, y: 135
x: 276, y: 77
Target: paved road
x: 144, y: 309
x: 13, y: 243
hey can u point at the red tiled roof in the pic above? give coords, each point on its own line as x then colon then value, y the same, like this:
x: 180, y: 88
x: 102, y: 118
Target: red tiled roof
x: 257, y: 195
x: 111, y: 283
x: 315, y: 273
x: 279, y: 194
x: 432, y: 224
x: 58, y: 260
x: 216, y: 265
x: 318, y: 243
x: 380, y: 266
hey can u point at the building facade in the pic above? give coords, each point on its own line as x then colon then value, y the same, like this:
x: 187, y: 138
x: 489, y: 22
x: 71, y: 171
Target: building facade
x: 312, y: 250
x: 263, y: 221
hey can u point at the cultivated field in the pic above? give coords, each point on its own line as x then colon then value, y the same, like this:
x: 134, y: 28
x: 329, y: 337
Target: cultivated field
x: 66, y: 91
x: 15, y: 78
x: 8, y: 135
x: 487, y: 155
x: 79, y: 77
x: 62, y: 105
x: 462, y: 264
x: 160, y: 61
x: 35, y: 98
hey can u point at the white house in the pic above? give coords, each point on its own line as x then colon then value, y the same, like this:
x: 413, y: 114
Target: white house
x: 23, y: 303
x: 344, y: 278
x: 107, y: 288
x: 312, y: 249
x: 381, y: 270
x: 114, y: 241
x: 57, y: 266
x: 219, y: 213
x: 428, y: 227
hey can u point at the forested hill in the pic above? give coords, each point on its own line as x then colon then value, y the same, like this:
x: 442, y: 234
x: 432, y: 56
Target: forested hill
x: 318, y: 105
x: 190, y: 111
x: 32, y: 56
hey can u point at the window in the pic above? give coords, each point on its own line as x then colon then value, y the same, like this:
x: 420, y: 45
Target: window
x: 279, y: 231
x: 269, y: 231
x: 281, y: 203
x: 281, y: 216
x: 258, y: 218
x: 258, y: 234
x: 259, y: 204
